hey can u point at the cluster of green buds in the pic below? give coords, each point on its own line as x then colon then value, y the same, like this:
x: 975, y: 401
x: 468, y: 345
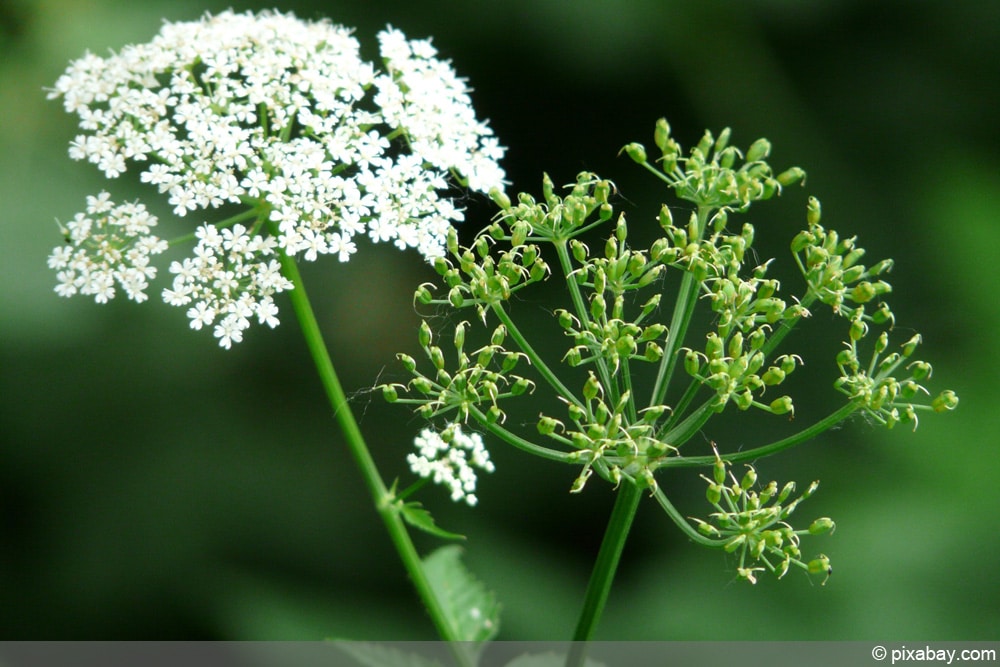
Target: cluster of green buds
x: 753, y: 524
x: 836, y: 277
x: 618, y: 420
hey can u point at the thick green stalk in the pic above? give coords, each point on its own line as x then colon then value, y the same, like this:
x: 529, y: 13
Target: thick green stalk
x: 359, y: 450
x: 606, y: 564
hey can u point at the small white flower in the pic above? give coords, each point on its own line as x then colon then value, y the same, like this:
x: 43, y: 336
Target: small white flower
x: 275, y: 113
x: 450, y: 458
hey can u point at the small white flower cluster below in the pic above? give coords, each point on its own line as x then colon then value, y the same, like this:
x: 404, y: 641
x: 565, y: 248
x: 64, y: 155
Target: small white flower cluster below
x: 282, y: 117
x: 109, y: 244
x: 450, y: 458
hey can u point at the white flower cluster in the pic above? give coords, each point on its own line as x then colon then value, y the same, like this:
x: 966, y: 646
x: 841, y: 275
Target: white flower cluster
x: 282, y: 116
x: 450, y: 458
x: 106, y: 245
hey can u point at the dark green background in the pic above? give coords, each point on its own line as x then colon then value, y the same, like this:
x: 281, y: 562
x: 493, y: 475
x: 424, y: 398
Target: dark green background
x: 153, y: 485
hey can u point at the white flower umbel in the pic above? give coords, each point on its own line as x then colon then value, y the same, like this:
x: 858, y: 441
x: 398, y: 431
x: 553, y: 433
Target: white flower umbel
x: 450, y: 458
x: 283, y: 118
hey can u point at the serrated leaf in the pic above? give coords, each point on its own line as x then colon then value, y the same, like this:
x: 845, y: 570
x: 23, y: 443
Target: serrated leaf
x: 415, y: 515
x: 379, y: 655
x: 470, y: 607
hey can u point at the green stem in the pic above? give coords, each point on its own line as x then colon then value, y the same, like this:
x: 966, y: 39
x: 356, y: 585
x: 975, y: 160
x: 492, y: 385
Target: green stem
x: 808, y: 433
x: 551, y: 378
x: 610, y: 553
x: 359, y: 450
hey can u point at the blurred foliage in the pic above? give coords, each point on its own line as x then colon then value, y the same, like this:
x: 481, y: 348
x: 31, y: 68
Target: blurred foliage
x: 154, y: 486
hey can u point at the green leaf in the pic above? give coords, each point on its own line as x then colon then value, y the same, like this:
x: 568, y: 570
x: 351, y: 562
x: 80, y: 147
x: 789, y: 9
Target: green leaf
x: 380, y: 655
x: 415, y: 515
x: 470, y: 608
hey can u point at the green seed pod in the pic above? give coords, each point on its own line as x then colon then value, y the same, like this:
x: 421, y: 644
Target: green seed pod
x: 666, y: 218
x: 735, y: 543
x: 548, y: 425
x: 661, y: 135
x: 499, y: 335
x: 521, y: 386
x: 858, y: 330
x: 789, y: 362
x: 518, y: 233
x: 882, y: 343
x: 573, y: 357
x: 820, y: 565
x: 910, y: 346
x: 727, y: 157
x: 802, y: 241
x: 813, y: 211
x: 653, y: 352
x: 389, y: 393
x: 598, y: 307
x: 510, y: 361
x: 652, y: 275
x: 758, y: 150
x: 408, y: 362
x: 821, y: 526
x: 591, y: 388
x: 714, y: 493
x: 579, y: 251
x: 881, y: 267
x: 736, y: 345
x: 455, y: 297
x: 920, y: 370
x: 792, y: 176
x: 714, y: 346
x: 423, y: 295
x: 692, y: 363
x: 495, y: 415
x: 782, y: 405
x: 437, y: 356
x: 946, y: 400
x: 459, y: 336
x: 637, y: 152
x: 719, y: 471
x: 883, y: 315
x: 423, y: 385
x: 743, y: 399
x: 577, y: 414
x: 424, y: 334
x: 773, y: 376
